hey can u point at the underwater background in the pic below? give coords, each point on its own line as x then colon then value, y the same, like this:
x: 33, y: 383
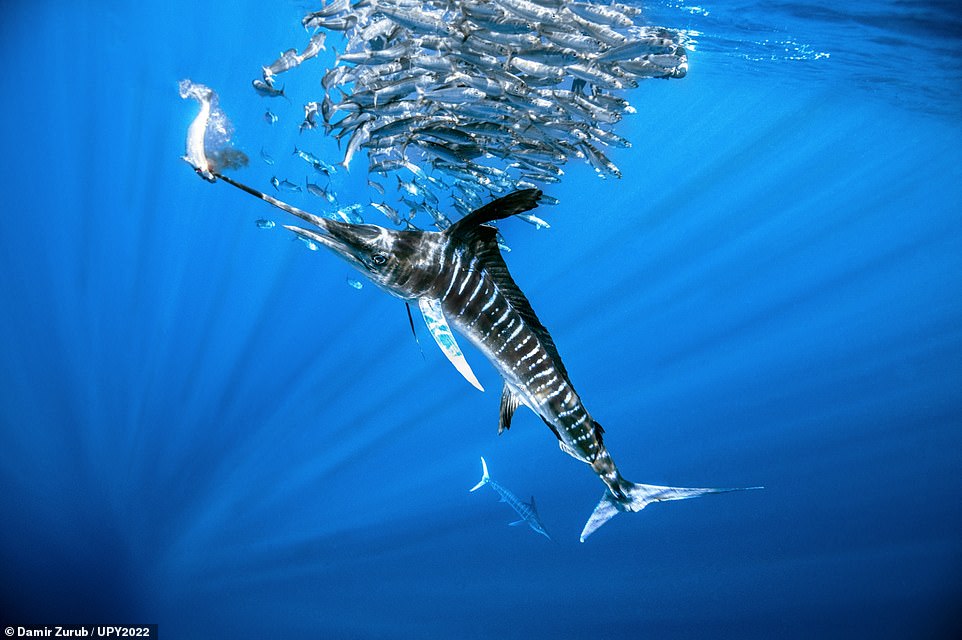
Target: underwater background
x: 203, y: 426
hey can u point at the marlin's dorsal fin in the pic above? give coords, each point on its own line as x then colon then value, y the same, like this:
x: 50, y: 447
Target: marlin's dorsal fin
x: 438, y: 326
x: 504, y: 207
x: 509, y: 402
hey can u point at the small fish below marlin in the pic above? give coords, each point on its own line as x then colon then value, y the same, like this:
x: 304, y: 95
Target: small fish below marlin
x: 527, y: 510
x: 458, y: 279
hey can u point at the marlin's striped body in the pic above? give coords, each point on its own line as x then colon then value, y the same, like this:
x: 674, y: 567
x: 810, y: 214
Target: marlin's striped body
x: 483, y: 303
x: 458, y: 278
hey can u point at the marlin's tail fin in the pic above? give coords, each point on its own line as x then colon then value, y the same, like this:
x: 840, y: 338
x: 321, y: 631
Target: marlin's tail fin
x: 637, y: 497
x: 485, y: 478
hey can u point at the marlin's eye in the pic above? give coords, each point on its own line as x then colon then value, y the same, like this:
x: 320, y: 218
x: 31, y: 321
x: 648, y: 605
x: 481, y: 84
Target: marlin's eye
x: 379, y: 259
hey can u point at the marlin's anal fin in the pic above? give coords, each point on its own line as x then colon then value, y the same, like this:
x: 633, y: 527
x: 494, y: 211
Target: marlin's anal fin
x: 509, y: 402
x: 438, y: 326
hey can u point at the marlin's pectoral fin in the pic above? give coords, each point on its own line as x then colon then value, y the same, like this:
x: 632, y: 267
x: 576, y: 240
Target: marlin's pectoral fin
x: 509, y: 402
x: 516, y: 523
x: 438, y: 326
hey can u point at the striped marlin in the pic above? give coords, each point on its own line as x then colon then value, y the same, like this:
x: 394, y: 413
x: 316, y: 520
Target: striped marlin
x: 459, y: 279
x: 527, y: 510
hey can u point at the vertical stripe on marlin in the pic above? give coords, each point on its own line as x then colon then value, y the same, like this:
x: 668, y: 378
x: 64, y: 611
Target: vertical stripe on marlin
x: 507, y: 341
x: 477, y: 290
x: 494, y: 298
x: 455, y: 272
x: 467, y: 275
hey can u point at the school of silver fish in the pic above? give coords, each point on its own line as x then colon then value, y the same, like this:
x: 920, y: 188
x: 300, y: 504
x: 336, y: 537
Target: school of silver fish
x: 474, y: 98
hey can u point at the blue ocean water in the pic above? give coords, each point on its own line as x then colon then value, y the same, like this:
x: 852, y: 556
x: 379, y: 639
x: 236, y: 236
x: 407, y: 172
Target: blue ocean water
x: 203, y: 426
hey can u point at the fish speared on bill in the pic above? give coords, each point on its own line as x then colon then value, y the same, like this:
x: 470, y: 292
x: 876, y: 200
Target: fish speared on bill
x: 208, y: 147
